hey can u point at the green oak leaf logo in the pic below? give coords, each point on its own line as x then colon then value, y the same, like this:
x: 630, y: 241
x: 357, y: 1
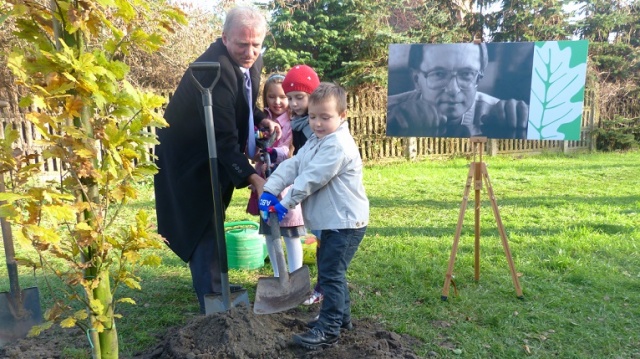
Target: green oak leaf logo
x: 557, y: 90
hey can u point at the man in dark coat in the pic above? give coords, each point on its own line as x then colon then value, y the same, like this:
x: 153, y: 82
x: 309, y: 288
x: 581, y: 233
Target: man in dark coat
x: 184, y: 203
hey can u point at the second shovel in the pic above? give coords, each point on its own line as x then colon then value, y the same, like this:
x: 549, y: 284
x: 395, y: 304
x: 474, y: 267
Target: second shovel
x: 287, y: 291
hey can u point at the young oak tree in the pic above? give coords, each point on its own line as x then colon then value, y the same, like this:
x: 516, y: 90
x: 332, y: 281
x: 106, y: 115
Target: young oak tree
x: 97, y: 125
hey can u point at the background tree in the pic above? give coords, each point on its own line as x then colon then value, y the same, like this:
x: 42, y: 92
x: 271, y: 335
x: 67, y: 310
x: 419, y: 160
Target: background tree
x: 347, y: 41
x: 95, y: 124
x: 613, y: 29
x: 528, y: 20
x: 163, y: 69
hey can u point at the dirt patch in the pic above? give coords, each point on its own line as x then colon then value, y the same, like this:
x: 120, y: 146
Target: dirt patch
x: 239, y: 333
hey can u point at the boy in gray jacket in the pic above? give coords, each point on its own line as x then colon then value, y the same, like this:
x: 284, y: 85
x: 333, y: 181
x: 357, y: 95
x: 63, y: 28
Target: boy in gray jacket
x: 326, y: 175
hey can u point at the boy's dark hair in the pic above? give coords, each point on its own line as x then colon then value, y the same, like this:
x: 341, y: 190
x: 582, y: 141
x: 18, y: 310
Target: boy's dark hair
x: 327, y: 90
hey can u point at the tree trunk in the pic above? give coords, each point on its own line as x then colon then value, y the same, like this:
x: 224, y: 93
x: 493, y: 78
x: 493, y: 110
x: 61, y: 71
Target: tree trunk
x: 108, y: 337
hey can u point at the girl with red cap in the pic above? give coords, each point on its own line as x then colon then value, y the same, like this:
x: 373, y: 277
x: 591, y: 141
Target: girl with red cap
x: 297, y: 85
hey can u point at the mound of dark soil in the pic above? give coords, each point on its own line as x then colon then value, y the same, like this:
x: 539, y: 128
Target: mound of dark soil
x: 238, y: 333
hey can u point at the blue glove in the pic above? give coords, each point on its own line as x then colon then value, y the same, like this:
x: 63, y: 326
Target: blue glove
x: 269, y: 203
x: 281, y: 211
x: 266, y: 200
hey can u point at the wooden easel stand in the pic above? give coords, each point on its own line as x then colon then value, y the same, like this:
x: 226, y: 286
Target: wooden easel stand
x: 478, y: 173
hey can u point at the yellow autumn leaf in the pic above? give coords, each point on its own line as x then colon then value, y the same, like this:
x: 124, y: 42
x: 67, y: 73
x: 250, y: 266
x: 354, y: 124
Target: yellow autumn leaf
x: 129, y: 154
x: 70, y: 322
x: 46, y: 235
x: 61, y: 196
x: 84, y: 153
x: 81, y: 314
x: 152, y: 100
x: 132, y: 283
x: 21, y: 239
x: 60, y: 213
x: 152, y: 260
x: 39, y: 119
x: 98, y: 327
x: 37, y: 329
x: 96, y: 306
x: 69, y: 77
x: 131, y: 256
x: 83, y: 226
x: 117, y: 194
x: 11, y: 197
x: 73, y: 106
x: 126, y: 300
x: 38, y: 102
x: 15, y: 62
x: 130, y: 192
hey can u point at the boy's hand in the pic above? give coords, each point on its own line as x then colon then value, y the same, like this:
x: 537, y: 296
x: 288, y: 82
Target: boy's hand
x: 267, y: 200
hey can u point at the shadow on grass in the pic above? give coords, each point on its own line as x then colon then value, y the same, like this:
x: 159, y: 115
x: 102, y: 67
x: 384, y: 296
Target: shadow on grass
x: 491, y: 229
x: 530, y: 202
x: 595, y: 168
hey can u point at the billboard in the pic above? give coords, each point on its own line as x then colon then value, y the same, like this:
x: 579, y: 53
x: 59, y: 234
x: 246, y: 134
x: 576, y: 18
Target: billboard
x: 525, y: 90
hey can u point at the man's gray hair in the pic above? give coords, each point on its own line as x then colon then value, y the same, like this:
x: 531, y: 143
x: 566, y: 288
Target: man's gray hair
x: 245, y: 16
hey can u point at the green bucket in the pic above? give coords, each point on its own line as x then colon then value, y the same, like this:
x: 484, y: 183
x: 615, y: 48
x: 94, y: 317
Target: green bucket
x: 246, y: 249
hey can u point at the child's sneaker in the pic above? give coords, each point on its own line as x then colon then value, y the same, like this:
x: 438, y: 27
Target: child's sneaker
x: 316, y: 297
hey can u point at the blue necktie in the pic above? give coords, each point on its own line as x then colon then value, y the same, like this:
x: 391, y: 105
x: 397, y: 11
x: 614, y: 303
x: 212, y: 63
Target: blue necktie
x: 251, y: 139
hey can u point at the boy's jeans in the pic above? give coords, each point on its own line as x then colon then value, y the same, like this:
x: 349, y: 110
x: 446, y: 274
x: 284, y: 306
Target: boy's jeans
x: 334, y: 255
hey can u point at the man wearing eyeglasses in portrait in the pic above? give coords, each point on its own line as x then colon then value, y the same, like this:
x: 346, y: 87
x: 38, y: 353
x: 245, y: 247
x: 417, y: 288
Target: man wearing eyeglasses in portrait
x: 446, y: 101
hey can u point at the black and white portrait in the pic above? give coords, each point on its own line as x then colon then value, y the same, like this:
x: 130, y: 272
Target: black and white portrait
x: 459, y: 90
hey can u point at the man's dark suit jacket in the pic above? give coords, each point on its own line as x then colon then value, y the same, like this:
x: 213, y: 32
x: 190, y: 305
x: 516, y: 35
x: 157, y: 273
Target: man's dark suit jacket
x: 184, y: 204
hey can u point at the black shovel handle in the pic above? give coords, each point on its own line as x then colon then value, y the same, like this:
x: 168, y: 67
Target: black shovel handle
x: 218, y: 209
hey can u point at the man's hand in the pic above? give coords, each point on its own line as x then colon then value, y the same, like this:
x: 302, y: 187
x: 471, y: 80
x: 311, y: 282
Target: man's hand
x: 506, y: 119
x: 273, y: 126
x: 416, y: 119
x: 257, y: 182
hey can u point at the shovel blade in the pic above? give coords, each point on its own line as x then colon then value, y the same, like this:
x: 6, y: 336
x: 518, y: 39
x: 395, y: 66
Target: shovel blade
x: 18, y: 316
x: 214, y: 303
x: 273, y: 295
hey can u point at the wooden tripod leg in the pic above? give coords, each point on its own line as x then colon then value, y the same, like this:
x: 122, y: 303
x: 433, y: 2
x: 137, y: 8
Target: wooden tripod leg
x: 477, y: 179
x: 456, y: 239
x: 503, y: 234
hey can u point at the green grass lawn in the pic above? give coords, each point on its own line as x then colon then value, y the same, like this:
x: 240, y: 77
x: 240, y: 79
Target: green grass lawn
x: 572, y: 223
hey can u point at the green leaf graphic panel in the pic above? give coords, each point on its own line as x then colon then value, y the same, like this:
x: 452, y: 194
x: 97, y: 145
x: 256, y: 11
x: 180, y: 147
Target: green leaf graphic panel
x: 557, y: 90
